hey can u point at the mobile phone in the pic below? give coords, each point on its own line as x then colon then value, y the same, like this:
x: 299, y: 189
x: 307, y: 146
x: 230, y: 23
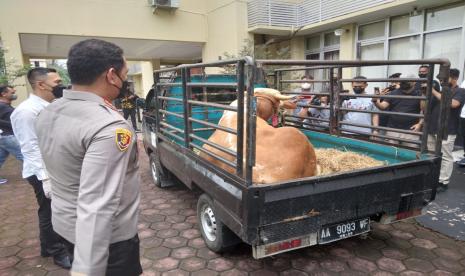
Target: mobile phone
x: 377, y: 91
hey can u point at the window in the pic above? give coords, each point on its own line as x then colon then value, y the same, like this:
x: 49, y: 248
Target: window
x: 323, y: 46
x: 313, y: 43
x: 442, y: 18
x: 370, y: 47
x: 435, y: 46
x: 317, y: 46
x: 313, y: 56
x: 370, y: 31
x: 317, y: 74
x: 432, y: 33
x: 371, y: 52
x: 331, y: 39
x: 333, y: 55
x: 405, y: 24
x: 404, y: 48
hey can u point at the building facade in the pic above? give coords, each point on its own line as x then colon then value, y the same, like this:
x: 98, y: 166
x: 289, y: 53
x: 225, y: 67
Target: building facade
x: 365, y: 29
x: 193, y: 31
x: 204, y: 30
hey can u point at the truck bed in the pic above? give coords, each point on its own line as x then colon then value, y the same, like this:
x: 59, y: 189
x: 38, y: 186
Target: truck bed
x: 263, y: 214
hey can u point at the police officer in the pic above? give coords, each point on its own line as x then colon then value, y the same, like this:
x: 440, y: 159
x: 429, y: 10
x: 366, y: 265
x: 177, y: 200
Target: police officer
x: 90, y: 153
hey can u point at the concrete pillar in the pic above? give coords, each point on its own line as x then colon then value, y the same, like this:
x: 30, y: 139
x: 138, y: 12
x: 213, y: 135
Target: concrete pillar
x: 147, y: 75
x: 155, y: 64
x: 347, y: 50
x: 298, y: 48
x: 347, y: 43
x: 226, y: 29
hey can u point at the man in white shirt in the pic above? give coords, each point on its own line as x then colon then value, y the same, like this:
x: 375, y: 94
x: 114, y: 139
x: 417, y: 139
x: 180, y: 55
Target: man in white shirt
x: 362, y: 104
x: 45, y: 83
x: 462, y: 130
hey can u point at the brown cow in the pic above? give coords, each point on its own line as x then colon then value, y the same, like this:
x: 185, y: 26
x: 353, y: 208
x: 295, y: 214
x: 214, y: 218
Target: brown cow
x: 281, y: 153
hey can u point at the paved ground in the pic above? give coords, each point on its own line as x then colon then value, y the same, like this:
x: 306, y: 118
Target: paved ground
x: 447, y: 213
x: 171, y: 243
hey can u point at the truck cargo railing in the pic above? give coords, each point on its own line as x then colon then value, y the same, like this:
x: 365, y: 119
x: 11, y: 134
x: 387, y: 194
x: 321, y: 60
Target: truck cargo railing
x: 187, y: 134
x: 337, y: 95
x: 243, y: 158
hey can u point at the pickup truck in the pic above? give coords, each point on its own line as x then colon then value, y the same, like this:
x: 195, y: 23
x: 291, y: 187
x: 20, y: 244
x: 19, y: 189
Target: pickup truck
x: 180, y: 115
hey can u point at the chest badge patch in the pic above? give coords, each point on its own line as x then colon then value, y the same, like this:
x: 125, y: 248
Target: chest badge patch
x: 123, y: 138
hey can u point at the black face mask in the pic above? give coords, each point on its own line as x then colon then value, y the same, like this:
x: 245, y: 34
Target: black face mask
x: 57, y: 91
x: 422, y: 75
x: 405, y: 86
x: 358, y: 90
x: 123, y: 90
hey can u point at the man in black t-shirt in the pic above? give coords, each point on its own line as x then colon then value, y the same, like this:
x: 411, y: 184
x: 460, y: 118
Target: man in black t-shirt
x: 384, y: 118
x: 8, y: 143
x: 405, y: 106
x: 423, y: 73
x: 458, y: 100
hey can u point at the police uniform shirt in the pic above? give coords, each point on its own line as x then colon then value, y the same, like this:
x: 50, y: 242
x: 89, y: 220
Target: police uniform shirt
x: 90, y: 153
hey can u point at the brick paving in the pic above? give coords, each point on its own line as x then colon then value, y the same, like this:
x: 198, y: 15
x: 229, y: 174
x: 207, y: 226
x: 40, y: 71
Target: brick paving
x: 171, y: 242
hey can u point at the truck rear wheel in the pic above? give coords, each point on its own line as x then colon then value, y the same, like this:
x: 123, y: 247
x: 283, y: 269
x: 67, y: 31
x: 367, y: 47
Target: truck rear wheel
x: 161, y: 176
x: 217, y: 236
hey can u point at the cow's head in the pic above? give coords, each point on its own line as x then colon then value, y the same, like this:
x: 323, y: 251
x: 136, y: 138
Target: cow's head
x: 268, y: 102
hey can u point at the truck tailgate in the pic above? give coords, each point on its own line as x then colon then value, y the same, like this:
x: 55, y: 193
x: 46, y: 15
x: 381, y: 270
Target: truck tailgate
x: 302, y: 207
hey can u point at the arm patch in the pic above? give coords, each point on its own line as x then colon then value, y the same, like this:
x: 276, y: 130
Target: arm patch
x: 123, y: 138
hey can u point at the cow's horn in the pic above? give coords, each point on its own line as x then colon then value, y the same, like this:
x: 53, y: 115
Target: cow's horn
x: 272, y: 92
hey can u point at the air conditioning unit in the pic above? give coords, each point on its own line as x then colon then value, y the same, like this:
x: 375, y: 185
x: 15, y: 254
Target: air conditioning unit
x: 164, y: 4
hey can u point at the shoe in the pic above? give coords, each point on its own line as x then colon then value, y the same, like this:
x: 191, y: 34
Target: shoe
x: 3, y: 181
x: 461, y: 162
x: 442, y: 188
x: 62, y: 260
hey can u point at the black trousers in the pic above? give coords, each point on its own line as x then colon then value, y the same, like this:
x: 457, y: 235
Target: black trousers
x: 123, y: 259
x: 132, y: 113
x: 50, y: 242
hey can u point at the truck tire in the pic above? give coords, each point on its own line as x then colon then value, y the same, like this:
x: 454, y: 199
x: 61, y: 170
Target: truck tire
x: 217, y: 236
x: 161, y: 177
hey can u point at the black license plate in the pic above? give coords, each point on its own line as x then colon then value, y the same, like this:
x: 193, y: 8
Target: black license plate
x: 334, y: 232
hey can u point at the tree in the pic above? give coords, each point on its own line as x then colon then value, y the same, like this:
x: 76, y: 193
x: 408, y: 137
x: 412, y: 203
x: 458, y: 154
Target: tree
x: 261, y: 51
x: 10, y: 71
x: 62, y: 71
